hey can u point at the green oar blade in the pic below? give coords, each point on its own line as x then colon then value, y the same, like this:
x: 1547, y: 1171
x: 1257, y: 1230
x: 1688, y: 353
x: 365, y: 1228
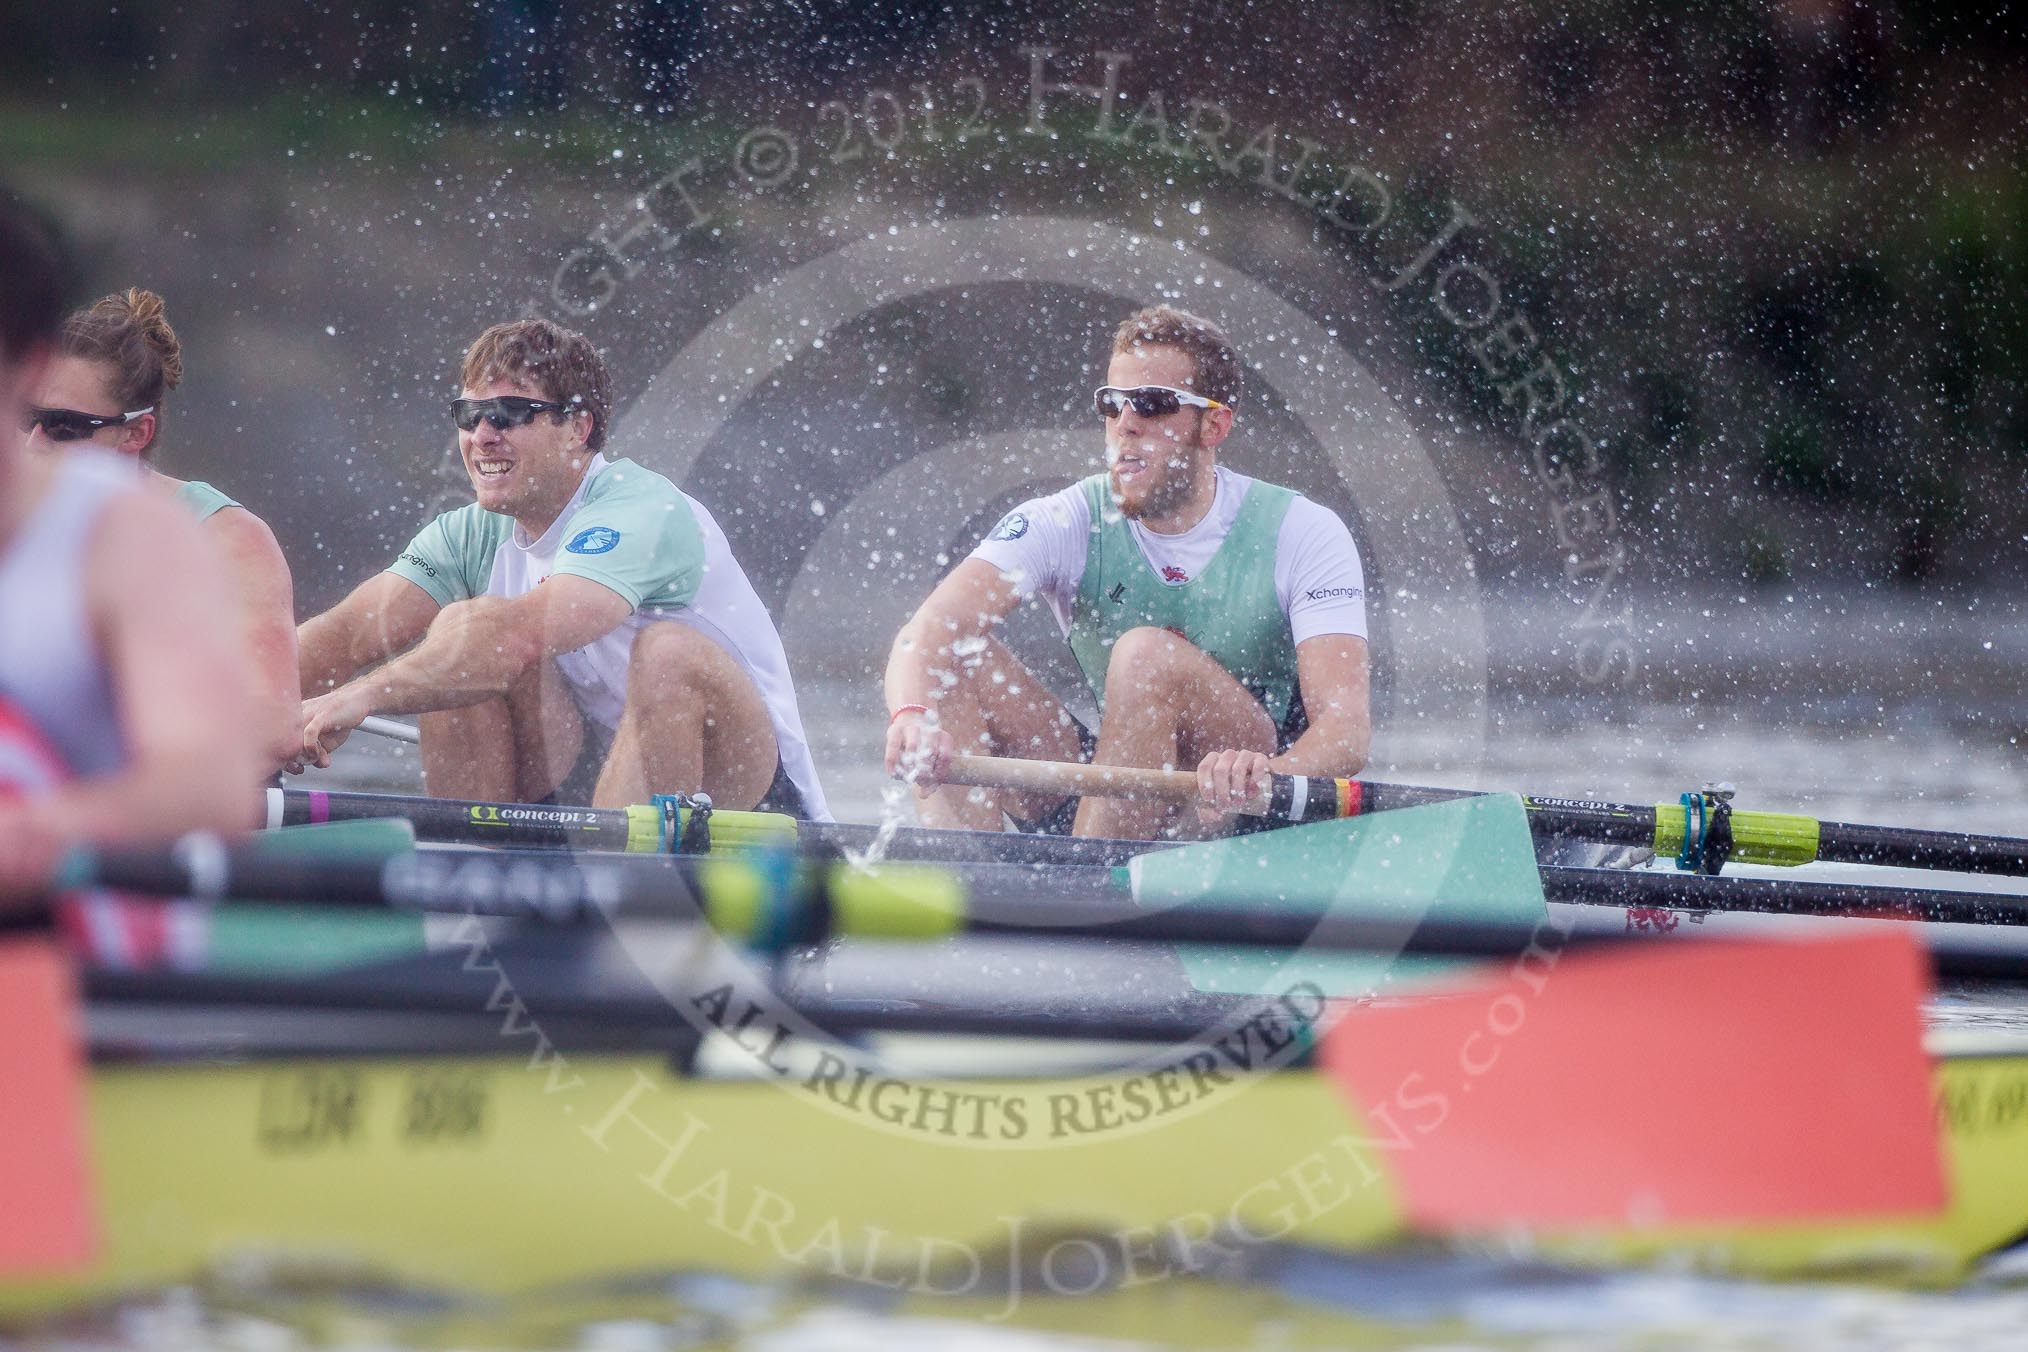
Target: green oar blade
x: 1471, y: 860
x: 271, y: 939
x: 367, y: 838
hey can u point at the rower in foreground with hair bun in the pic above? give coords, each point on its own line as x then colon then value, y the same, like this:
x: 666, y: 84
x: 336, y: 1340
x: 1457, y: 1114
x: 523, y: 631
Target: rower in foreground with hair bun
x: 125, y: 694
x: 1220, y: 621
x: 116, y: 363
x: 581, y: 633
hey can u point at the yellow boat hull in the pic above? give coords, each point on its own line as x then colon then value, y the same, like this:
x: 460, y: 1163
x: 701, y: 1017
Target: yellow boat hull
x: 494, y: 1175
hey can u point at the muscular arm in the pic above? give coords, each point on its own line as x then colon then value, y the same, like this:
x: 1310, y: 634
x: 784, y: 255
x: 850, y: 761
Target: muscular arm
x: 383, y: 616
x: 966, y: 605
x: 473, y: 651
x: 1332, y: 671
x: 158, y: 598
x: 925, y: 660
x: 267, y: 620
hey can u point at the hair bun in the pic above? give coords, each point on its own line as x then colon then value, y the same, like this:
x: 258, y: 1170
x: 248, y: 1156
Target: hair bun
x: 147, y: 318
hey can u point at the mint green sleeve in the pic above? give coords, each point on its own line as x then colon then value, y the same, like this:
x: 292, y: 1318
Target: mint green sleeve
x: 642, y: 541
x: 439, y: 558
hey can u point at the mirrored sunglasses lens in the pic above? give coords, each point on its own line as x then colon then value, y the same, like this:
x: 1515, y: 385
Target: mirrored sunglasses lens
x: 1108, y: 403
x: 1153, y: 403
x: 60, y: 424
x: 504, y: 412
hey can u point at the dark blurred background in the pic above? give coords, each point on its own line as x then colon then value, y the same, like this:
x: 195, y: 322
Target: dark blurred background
x: 1779, y: 249
x: 1786, y: 243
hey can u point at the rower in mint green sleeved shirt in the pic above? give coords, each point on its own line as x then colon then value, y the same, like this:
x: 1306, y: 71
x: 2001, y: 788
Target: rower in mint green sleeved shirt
x: 633, y: 531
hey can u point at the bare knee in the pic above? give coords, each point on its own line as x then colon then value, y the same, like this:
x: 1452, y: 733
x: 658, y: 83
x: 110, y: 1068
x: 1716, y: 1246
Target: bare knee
x: 1148, y: 660
x: 676, y: 655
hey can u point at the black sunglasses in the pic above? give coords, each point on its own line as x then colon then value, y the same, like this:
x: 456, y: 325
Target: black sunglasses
x: 67, y: 424
x: 1150, y: 401
x: 509, y: 410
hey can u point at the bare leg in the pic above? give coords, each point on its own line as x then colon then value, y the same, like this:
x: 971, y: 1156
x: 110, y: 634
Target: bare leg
x: 518, y: 747
x: 694, y: 721
x: 469, y: 752
x: 999, y: 708
x: 1168, y: 705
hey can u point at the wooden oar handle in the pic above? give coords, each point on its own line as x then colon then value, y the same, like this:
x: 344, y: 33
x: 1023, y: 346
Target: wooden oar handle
x: 1090, y: 781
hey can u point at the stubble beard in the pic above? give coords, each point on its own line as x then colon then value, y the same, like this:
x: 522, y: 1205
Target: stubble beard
x: 1173, y: 475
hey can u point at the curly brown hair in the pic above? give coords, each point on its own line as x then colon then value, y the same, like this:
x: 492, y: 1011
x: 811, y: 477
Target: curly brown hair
x: 1211, y: 353
x: 560, y: 362
x: 129, y: 333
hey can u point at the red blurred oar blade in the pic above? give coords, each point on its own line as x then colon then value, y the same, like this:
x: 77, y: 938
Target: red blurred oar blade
x: 1729, y: 1082
x: 45, y: 1192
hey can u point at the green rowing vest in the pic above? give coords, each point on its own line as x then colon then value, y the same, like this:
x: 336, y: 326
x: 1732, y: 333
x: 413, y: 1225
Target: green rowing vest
x: 201, y: 500
x: 1230, y: 610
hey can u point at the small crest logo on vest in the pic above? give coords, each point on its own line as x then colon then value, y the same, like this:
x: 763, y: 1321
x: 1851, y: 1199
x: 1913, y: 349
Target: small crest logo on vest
x: 593, y: 540
x: 1012, y: 527
x: 1118, y: 595
x: 1173, y: 575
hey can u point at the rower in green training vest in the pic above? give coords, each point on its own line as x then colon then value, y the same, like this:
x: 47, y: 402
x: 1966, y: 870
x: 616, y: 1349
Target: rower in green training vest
x: 115, y: 364
x: 1220, y: 621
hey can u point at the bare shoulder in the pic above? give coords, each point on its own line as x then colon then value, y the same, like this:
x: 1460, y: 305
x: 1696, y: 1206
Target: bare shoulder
x: 146, y: 508
x: 246, y: 539
x: 147, y: 544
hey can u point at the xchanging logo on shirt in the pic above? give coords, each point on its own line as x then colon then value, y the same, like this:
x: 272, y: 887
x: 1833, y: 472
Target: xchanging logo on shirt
x: 1012, y: 527
x: 593, y: 540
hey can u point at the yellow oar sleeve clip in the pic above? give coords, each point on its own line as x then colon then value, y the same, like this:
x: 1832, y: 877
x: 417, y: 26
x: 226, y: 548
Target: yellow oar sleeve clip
x: 654, y: 828
x: 896, y: 901
x: 1782, y: 839
x: 765, y: 901
x: 644, y: 829
x: 740, y: 901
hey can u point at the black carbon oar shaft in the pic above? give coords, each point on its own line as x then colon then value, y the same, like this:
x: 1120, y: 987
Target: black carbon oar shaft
x: 1753, y: 837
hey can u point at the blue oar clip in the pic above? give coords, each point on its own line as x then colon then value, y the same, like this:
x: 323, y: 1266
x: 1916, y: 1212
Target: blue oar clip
x: 680, y: 836
x: 1707, y: 830
x: 781, y: 923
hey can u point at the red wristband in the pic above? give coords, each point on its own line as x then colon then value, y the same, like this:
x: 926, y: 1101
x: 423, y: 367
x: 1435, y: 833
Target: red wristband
x: 907, y: 708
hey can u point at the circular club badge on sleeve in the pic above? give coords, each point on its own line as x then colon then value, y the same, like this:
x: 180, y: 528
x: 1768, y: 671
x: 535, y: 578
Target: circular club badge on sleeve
x: 593, y: 540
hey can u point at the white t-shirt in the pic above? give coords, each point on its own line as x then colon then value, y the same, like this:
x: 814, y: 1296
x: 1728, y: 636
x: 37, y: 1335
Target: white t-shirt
x: 1040, y: 546
x: 51, y: 663
x: 633, y: 531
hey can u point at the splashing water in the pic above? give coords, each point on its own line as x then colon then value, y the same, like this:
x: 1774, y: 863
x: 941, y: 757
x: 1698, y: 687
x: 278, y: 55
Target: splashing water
x: 894, y: 792
x: 893, y: 795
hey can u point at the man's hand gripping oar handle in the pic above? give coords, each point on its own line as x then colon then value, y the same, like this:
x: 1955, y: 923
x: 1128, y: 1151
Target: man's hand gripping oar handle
x: 1286, y: 798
